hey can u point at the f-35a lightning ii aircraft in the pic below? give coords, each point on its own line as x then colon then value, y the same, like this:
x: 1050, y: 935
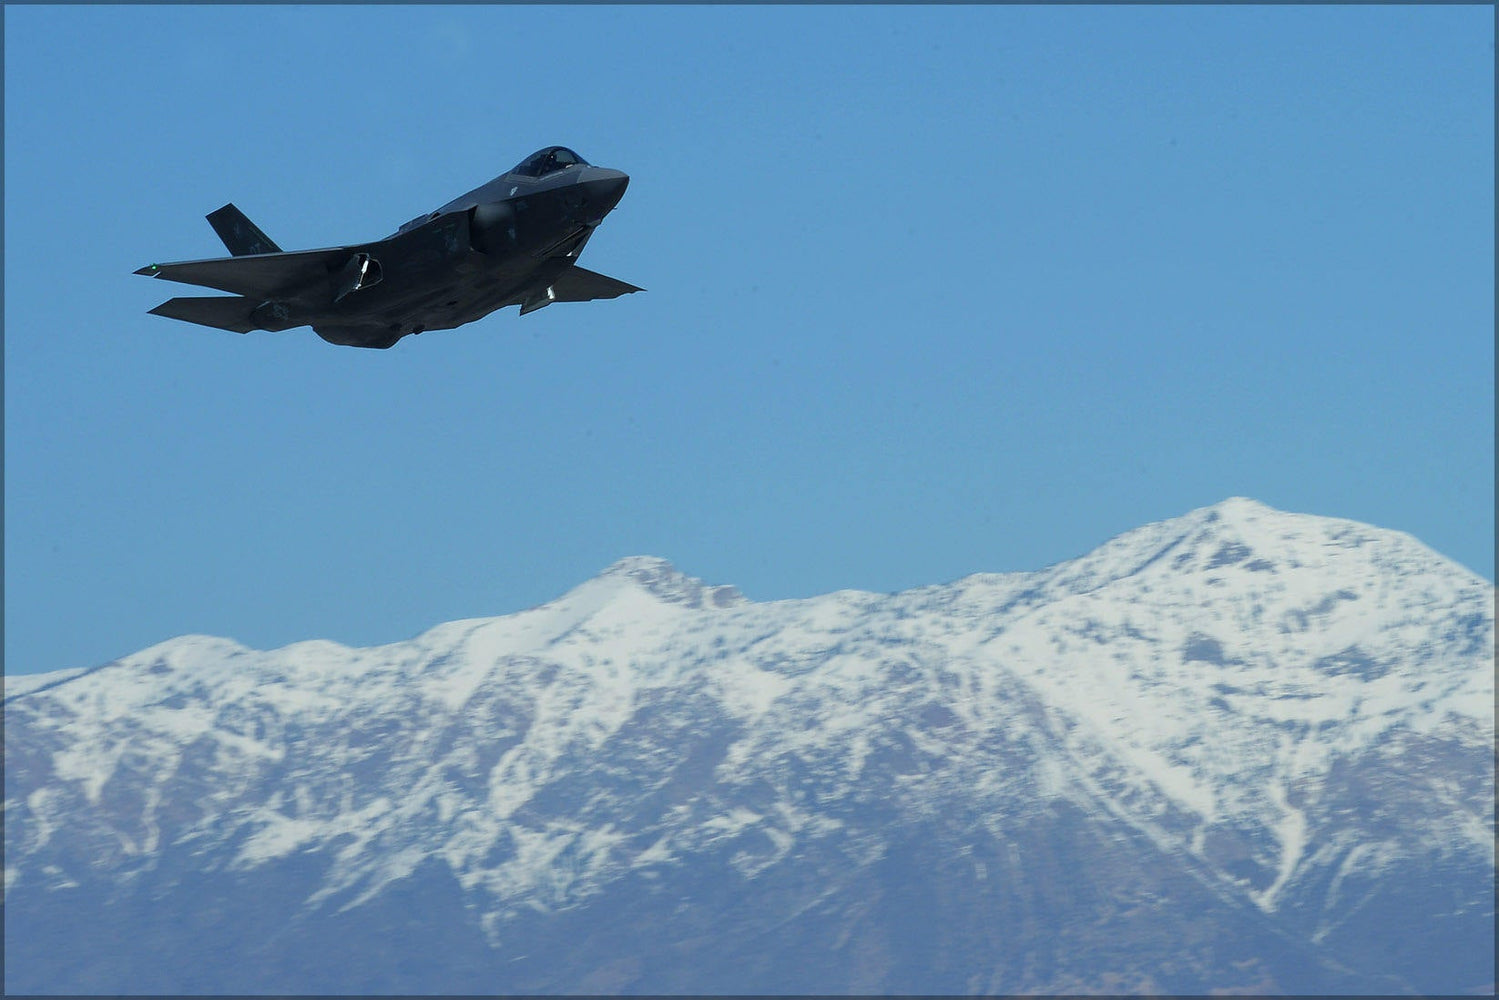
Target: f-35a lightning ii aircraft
x: 513, y: 241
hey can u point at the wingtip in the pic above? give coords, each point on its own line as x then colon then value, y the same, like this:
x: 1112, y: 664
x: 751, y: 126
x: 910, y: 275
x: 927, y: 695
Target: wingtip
x: 150, y: 270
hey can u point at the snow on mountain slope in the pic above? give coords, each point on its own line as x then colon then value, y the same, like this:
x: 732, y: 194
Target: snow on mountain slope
x: 1243, y: 687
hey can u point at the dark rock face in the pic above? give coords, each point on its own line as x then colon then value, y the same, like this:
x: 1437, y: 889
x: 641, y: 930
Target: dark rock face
x: 1160, y: 768
x: 1063, y: 905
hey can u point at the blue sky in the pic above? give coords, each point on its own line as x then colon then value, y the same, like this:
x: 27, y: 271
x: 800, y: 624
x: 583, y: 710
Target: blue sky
x: 931, y: 291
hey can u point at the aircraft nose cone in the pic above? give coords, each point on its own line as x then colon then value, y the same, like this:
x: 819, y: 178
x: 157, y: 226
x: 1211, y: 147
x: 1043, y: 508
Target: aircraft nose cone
x: 604, y: 188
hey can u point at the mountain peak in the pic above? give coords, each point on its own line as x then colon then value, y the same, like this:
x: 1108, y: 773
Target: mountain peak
x: 632, y: 565
x: 661, y: 579
x: 1236, y: 507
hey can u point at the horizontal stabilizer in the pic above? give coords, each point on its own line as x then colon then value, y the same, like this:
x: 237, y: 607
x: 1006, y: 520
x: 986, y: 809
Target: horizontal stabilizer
x: 578, y: 284
x: 239, y: 234
x: 226, y: 313
x: 264, y: 276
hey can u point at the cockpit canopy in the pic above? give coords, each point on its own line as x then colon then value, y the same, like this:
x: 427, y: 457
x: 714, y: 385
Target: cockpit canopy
x: 547, y: 161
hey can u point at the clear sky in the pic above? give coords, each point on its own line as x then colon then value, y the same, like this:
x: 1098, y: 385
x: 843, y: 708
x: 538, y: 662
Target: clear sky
x: 931, y: 291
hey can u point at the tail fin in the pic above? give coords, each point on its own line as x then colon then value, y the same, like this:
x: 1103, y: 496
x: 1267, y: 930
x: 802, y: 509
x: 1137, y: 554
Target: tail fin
x: 239, y: 234
x: 226, y: 313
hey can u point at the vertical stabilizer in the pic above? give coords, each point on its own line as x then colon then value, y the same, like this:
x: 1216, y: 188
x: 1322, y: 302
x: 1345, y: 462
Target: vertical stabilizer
x: 239, y: 234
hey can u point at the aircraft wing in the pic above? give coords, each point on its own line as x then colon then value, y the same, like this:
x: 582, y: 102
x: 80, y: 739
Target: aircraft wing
x: 263, y: 276
x: 578, y: 284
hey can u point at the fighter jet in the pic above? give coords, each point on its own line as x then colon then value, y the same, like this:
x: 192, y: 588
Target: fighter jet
x: 512, y: 241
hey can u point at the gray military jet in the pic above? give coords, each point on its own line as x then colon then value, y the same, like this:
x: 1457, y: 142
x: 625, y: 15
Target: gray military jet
x: 513, y: 241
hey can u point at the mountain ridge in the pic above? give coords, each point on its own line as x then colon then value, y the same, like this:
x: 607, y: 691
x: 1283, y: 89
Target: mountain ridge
x: 1287, y: 714
x: 661, y: 577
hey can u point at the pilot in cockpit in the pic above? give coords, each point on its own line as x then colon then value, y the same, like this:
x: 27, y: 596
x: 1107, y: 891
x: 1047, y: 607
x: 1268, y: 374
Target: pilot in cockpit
x: 548, y: 161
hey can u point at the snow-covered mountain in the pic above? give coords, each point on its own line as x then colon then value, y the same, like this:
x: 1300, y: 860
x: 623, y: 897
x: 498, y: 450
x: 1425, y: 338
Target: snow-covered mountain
x: 1240, y: 749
